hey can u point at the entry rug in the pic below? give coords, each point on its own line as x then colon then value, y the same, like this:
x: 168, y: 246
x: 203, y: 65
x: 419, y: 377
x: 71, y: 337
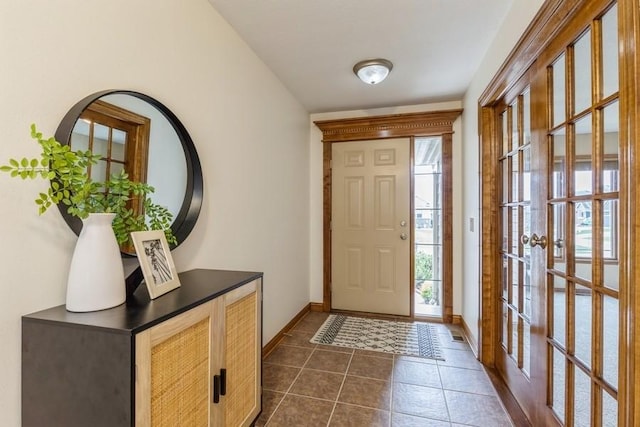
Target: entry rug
x: 409, y: 338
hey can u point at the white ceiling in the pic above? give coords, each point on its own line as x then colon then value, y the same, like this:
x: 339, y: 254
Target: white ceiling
x: 436, y: 46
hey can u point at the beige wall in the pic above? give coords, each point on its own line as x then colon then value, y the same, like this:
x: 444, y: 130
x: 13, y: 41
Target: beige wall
x: 251, y: 134
x: 315, y: 177
x: 515, y: 23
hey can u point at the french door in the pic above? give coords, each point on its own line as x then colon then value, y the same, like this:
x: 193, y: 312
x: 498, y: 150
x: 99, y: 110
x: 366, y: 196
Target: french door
x: 557, y: 156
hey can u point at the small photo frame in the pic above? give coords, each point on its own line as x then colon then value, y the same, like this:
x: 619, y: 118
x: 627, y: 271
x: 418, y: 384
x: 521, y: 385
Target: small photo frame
x: 154, y: 256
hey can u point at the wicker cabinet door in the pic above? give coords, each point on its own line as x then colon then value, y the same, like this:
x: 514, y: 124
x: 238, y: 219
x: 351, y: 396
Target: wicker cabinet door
x: 174, y: 365
x: 243, y: 345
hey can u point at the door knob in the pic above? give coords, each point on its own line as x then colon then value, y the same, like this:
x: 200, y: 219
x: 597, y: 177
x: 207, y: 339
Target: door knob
x: 403, y: 236
x: 524, y: 239
x: 538, y: 241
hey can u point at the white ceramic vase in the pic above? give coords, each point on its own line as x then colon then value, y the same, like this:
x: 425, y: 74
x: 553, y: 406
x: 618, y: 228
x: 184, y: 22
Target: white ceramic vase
x: 96, y: 275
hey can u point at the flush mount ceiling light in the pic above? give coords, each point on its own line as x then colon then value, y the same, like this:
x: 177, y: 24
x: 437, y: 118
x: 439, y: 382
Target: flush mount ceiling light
x: 373, y: 71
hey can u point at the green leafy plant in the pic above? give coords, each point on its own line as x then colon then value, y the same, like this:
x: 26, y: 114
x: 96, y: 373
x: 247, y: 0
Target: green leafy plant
x: 427, y: 294
x: 72, y: 187
x: 424, y: 266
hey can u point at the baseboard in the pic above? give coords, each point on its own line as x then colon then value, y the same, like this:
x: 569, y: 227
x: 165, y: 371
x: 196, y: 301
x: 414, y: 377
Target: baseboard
x: 470, y: 338
x: 276, y: 339
x: 456, y: 319
x: 316, y: 306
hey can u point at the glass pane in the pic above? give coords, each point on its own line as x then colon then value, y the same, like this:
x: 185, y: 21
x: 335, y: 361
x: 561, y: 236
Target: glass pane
x: 559, y: 378
x: 583, y: 157
x: 611, y: 268
x: 583, y: 242
x: 527, y: 289
x: 80, y: 136
x: 515, y: 140
x: 558, y: 91
x: 558, y: 237
x: 505, y: 277
x: 559, y: 310
x: 582, y: 72
x: 526, y: 350
x: 611, y: 169
x: 505, y: 328
x: 515, y: 175
x: 526, y: 174
x: 427, y: 191
x: 610, y: 333
x: 526, y: 117
x: 609, y: 410
x: 505, y: 133
x: 99, y: 171
x: 505, y: 229
x: 582, y: 317
x: 505, y: 180
x: 515, y: 282
x: 609, y: 220
x: 610, y: 51
x: 101, y: 138
x: 116, y: 168
x: 118, y: 151
x: 515, y: 333
x: 559, y: 158
x: 515, y: 232
x: 582, y: 399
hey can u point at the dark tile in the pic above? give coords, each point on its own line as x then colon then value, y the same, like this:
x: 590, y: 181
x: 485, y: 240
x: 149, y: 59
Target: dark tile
x: 421, y: 401
x: 290, y: 356
x: 416, y: 373
x: 298, y: 339
x: 371, y: 367
x: 336, y: 348
x: 329, y: 361
x: 311, y: 322
x: 278, y: 377
x: 355, y: 416
x: 366, y: 392
x: 476, y: 409
x: 404, y: 420
x: 270, y: 401
x: 301, y: 411
x: 459, y: 359
x: 374, y: 353
x: 467, y: 380
x: 320, y: 384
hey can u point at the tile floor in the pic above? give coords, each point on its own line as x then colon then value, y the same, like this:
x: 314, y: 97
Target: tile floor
x: 315, y: 385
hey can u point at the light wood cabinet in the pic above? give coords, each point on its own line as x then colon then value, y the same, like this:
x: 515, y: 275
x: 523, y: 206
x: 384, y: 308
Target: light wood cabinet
x: 191, y: 357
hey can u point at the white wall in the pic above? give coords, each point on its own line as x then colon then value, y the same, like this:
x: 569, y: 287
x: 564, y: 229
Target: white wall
x: 251, y: 134
x: 515, y: 23
x: 315, y: 178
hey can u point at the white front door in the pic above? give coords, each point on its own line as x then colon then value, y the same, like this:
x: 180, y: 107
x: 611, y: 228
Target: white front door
x: 371, y: 227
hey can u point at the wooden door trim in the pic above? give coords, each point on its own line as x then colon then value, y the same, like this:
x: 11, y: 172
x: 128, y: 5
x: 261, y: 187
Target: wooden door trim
x: 409, y: 125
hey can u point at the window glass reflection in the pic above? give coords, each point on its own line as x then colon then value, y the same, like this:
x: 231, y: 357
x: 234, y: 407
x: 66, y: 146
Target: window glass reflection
x: 582, y: 72
x: 558, y: 72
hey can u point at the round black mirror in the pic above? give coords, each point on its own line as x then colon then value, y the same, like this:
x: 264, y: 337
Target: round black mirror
x: 162, y: 153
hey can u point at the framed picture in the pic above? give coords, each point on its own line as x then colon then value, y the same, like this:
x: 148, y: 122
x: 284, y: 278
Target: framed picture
x: 155, y: 260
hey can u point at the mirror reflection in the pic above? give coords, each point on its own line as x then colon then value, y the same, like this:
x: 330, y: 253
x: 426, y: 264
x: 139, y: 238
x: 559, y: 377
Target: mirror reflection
x: 134, y: 136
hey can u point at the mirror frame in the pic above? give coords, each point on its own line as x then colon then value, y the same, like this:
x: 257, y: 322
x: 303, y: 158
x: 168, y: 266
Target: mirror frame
x: 186, y: 218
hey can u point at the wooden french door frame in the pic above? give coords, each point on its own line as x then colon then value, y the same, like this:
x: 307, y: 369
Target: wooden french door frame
x: 553, y: 17
x: 436, y: 123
